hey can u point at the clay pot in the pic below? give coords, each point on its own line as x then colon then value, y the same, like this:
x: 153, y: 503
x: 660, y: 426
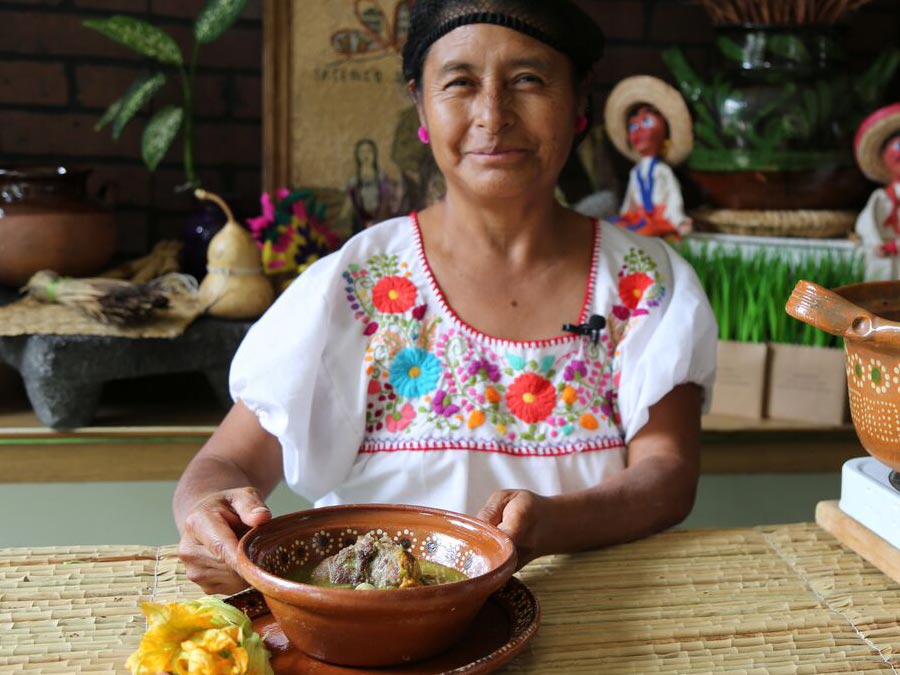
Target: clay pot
x: 47, y: 221
x: 376, y: 627
x: 866, y: 316
x: 831, y: 187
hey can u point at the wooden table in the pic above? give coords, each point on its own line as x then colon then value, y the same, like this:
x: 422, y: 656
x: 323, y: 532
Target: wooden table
x: 775, y: 600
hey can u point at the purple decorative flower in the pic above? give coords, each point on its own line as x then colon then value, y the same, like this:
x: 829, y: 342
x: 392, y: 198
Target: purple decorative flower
x: 419, y: 312
x: 609, y: 406
x: 574, y: 369
x: 442, y: 406
x: 490, y: 370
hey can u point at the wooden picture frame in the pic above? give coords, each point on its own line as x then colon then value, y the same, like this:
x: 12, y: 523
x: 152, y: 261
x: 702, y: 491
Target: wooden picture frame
x: 276, y: 109
x: 327, y: 66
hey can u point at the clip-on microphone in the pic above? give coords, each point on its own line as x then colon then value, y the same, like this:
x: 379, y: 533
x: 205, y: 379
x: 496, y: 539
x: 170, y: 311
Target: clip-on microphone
x: 595, y: 324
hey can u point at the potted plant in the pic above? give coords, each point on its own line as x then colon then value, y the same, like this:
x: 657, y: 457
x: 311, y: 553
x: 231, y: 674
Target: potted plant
x: 770, y: 365
x: 730, y: 281
x: 171, y: 121
x: 774, y: 122
x: 806, y: 379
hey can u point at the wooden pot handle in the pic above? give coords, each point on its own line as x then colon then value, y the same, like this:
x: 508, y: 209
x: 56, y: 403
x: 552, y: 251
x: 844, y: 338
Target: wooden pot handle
x: 828, y: 311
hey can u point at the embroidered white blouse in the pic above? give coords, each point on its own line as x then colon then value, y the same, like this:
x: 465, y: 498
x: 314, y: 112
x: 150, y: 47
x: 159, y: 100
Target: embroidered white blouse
x: 379, y: 392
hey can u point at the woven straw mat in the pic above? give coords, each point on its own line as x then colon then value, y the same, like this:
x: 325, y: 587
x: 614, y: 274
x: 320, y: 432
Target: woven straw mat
x: 30, y: 317
x: 776, y: 600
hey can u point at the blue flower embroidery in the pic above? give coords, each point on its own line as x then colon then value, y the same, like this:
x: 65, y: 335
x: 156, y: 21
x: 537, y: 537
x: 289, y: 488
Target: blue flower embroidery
x: 415, y: 372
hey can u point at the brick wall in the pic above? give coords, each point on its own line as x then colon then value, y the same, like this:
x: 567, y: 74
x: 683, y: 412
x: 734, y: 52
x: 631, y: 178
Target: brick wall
x: 57, y: 77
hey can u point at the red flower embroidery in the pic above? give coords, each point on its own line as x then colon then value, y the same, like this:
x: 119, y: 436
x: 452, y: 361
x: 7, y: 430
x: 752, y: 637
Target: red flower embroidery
x: 531, y: 398
x: 394, y: 295
x: 632, y: 288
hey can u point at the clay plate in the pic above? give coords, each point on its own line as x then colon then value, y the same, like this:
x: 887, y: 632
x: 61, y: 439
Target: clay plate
x: 508, y: 620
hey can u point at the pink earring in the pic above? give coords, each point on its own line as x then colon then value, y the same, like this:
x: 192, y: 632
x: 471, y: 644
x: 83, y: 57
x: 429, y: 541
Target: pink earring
x: 581, y: 123
x: 423, y: 135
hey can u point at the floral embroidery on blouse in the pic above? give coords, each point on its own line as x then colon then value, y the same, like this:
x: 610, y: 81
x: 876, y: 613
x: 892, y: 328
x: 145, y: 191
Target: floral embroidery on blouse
x: 428, y: 376
x: 640, y: 290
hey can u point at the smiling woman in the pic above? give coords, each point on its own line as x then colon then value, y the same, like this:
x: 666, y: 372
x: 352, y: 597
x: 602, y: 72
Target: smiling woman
x: 425, y: 362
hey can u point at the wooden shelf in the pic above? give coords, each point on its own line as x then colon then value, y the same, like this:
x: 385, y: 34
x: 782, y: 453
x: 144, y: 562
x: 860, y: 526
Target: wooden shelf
x: 149, y: 429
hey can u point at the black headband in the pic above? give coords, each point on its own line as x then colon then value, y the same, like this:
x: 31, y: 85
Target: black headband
x: 565, y: 28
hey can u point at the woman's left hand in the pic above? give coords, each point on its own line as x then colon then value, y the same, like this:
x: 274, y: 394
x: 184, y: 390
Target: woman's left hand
x: 523, y: 516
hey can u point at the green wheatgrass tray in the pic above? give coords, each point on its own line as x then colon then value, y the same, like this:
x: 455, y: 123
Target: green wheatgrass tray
x: 775, y: 600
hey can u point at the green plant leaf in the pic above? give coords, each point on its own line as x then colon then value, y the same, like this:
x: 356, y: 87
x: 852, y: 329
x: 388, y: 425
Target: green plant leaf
x: 160, y: 132
x: 137, y: 96
x: 140, y: 36
x: 730, y: 49
x: 789, y: 47
x: 216, y: 17
x: 111, y: 113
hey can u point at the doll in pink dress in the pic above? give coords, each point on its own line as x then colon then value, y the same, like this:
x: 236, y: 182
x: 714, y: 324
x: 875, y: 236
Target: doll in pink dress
x: 877, y: 149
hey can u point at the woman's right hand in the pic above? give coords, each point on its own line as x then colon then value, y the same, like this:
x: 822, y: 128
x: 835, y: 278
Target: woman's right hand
x: 209, y: 538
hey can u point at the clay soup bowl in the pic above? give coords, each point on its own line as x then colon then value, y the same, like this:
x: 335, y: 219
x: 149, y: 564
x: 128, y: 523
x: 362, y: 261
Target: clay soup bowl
x: 865, y: 316
x: 375, y: 627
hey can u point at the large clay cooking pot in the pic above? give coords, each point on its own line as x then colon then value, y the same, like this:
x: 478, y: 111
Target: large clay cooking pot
x: 47, y: 221
x: 866, y: 316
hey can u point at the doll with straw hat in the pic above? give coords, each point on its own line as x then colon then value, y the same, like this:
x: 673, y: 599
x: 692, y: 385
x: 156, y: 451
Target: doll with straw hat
x: 877, y: 149
x: 647, y: 120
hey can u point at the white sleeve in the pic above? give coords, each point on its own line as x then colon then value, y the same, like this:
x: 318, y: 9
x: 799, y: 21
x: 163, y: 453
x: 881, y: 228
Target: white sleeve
x: 673, y: 344
x: 283, y: 372
x: 671, y: 194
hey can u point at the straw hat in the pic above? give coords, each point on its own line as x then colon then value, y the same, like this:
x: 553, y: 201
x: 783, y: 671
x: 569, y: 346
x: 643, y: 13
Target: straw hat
x: 649, y: 90
x: 875, y: 130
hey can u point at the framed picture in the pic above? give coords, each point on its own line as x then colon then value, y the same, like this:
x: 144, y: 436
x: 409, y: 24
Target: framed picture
x: 337, y: 115
x: 338, y: 118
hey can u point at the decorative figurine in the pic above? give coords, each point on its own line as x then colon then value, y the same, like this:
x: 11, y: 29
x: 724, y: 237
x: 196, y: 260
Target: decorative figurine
x: 235, y: 286
x: 877, y: 148
x: 648, y: 121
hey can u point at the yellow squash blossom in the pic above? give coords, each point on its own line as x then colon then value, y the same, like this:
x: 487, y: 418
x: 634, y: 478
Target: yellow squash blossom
x: 200, y: 637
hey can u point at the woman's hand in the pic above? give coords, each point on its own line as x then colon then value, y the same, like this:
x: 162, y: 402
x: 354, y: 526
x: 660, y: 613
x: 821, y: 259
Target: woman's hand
x: 522, y: 515
x: 209, y: 538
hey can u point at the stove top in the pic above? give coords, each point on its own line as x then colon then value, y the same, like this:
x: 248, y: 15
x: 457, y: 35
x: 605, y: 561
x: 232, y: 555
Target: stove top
x: 868, y: 497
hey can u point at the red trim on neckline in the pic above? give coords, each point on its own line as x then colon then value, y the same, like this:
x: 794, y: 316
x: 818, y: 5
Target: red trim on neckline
x: 526, y: 344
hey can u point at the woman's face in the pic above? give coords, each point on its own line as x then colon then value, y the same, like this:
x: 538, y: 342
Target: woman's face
x: 500, y: 109
x: 891, y: 157
x: 646, y: 132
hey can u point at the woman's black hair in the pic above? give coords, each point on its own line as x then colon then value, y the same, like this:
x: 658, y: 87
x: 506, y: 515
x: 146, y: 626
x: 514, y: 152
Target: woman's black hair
x: 557, y: 23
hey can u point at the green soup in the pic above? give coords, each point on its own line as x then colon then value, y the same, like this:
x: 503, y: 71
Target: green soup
x: 433, y: 574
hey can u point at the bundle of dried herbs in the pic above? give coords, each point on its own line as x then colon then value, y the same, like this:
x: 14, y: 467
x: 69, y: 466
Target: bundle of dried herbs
x: 162, y: 260
x: 110, y: 301
x: 780, y: 12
